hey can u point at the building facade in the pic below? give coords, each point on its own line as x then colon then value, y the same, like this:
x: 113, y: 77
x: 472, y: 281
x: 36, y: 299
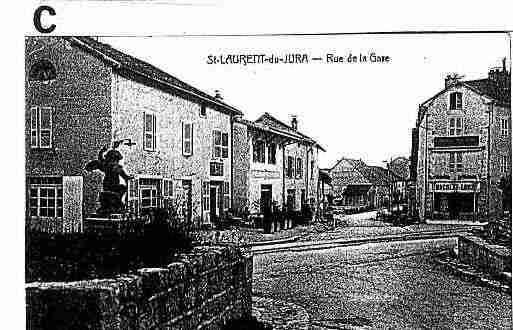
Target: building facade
x: 274, y: 164
x: 464, y: 148
x: 82, y: 94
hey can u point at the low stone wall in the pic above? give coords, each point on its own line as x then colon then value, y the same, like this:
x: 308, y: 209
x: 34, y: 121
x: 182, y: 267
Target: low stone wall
x: 475, y: 251
x: 204, y: 289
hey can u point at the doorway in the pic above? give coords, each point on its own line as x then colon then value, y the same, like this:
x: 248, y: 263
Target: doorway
x: 215, y: 201
x: 266, y: 198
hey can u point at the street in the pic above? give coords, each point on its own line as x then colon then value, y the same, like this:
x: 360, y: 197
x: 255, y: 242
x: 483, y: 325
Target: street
x: 392, y: 285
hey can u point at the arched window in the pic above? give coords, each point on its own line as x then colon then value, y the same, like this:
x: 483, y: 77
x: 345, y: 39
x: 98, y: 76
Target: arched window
x: 42, y: 70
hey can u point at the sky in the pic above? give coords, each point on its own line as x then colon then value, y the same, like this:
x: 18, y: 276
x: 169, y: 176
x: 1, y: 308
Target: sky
x: 358, y: 110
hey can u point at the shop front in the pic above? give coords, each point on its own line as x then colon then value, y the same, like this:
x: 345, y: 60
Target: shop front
x: 455, y: 200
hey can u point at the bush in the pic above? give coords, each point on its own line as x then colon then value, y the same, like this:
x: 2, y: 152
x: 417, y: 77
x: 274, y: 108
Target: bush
x: 79, y: 256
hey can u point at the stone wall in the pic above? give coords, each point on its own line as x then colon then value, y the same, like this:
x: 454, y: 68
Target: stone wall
x: 493, y: 259
x: 204, y: 289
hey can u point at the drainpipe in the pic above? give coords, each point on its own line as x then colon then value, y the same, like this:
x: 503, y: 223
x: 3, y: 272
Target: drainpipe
x: 426, y: 171
x: 306, y: 173
x: 284, y: 169
x: 283, y: 175
x: 231, y: 163
x: 488, y: 176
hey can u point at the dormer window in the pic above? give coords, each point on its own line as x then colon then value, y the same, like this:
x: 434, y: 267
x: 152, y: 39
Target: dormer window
x: 455, y: 101
x: 42, y: 70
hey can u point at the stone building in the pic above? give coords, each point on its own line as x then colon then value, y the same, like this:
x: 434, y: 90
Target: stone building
x: 82, y: 94
x: 274, y: 162
x: 464, y: 148
x: 357, y: 185
x: 400, y: 167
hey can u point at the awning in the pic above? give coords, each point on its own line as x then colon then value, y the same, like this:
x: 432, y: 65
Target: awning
x: 356, y: 190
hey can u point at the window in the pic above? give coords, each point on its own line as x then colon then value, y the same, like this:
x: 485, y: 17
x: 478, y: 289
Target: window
x: 224, y: 145
x: 291, y: 199
x: 150, y: 127
x: 45, y: 196
x: 149, y: 192
x: 167, y: 190
x: 299, y: 168
x: 504, y: 127
x: 258, y: 151
x: 203, y: 110
x: 187, y: 139
x: 504, y: 164
x: 455, y: 101
x: 312, y: 165
x: 290, y: 167
x: 41, y: 127
x: 220, y: 144
x: 216, y: 169
x: 226, y: 194
x: 271, y: 153
x: 455, y: 126
x: 205, y: 193
x: 456, y: 162
x: 42, y: 70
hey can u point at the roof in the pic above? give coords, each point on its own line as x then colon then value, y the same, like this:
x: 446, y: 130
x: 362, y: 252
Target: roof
x: 377, y: 175
x: 359, y: 173
x: 122, y: 61
x: 350, y: 161
x: 268, y: 120
x: 400, y: 166
x: 273, y: 130
x: 490, y: 88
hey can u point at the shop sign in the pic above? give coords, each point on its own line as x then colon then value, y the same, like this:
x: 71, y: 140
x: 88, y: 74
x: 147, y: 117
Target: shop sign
x: 462, y: 187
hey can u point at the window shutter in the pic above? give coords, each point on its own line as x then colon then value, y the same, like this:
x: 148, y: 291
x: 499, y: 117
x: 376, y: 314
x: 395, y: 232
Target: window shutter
x: 45, y: 127
x: 192, y: 139
x: 154, y: 133
x: 72, y: 194
x: 33, y: 127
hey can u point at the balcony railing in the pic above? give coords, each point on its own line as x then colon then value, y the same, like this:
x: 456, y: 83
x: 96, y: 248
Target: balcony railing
x: 456, y: 141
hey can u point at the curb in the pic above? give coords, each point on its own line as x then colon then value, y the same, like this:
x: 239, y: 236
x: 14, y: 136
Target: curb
x: 475, y: 276
x: 274, y: 241
x: 327, y: 244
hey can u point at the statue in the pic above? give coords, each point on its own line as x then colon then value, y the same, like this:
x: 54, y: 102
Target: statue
x: 111, y: 198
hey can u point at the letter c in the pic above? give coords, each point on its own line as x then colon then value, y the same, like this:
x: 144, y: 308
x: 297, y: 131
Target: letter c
x: 37, y: 19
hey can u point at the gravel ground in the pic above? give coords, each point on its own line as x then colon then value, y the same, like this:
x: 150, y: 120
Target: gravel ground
x: 379, y: 286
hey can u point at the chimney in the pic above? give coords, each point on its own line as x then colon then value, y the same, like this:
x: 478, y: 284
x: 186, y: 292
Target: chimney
x: 218, y: 95
x: 452, y: 79
x: 499, y: 74
x: 293, y: 122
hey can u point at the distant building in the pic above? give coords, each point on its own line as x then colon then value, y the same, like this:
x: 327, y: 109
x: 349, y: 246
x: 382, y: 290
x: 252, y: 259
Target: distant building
x: 462, y: 148
x: 82, y: 94
x: 358, y: 185
x: 400, y: 167
x: 274, y: 163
